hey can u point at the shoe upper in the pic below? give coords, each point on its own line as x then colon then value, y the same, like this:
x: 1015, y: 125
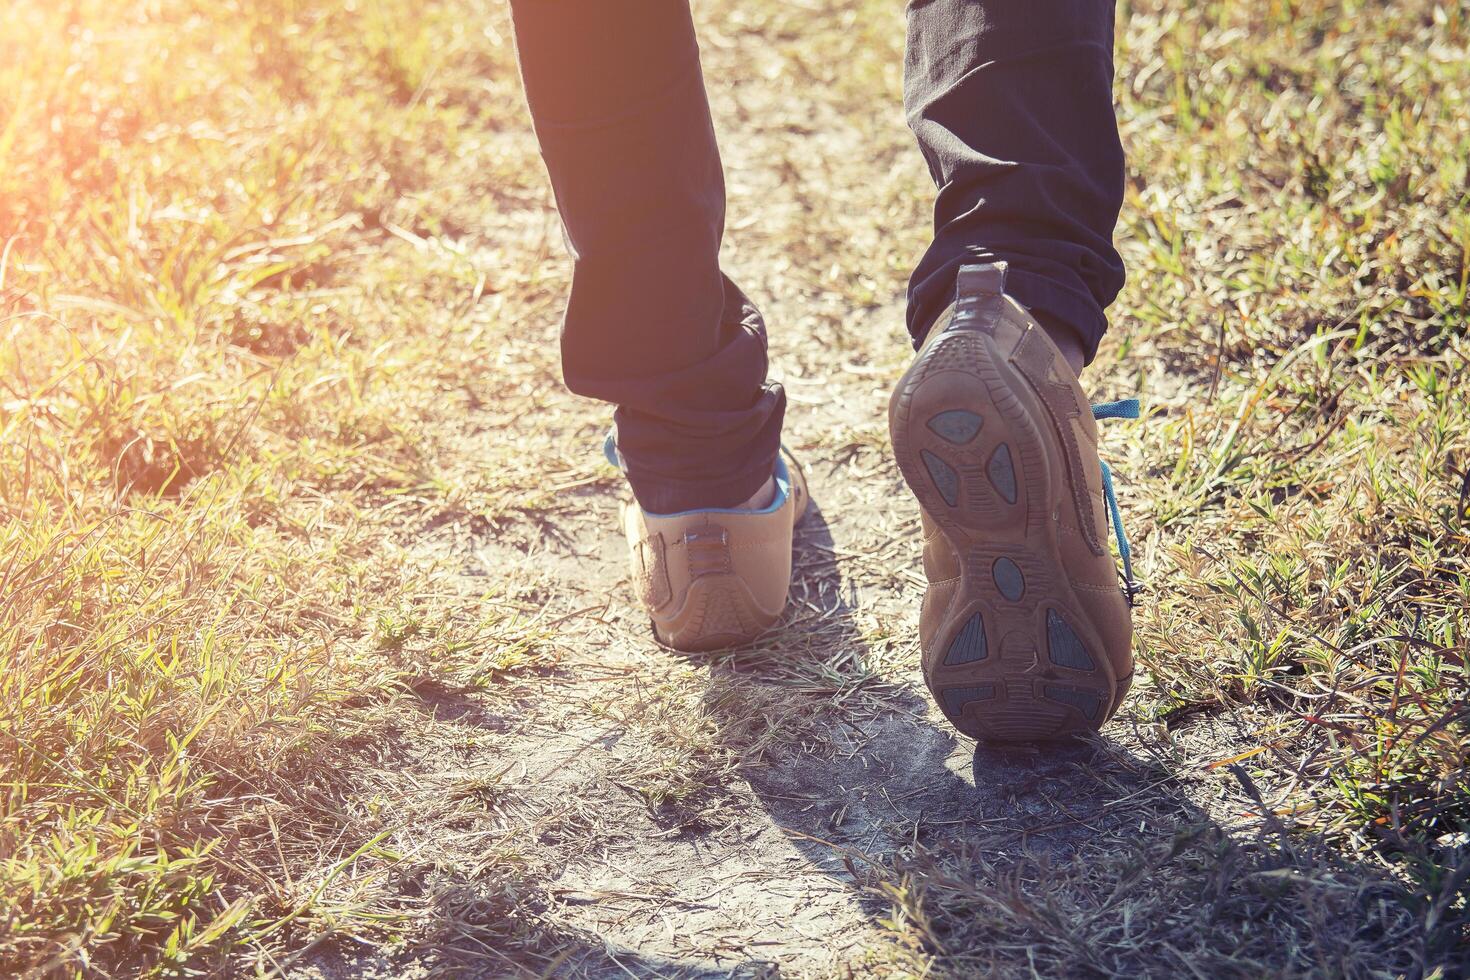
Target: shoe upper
x: 716, y: 578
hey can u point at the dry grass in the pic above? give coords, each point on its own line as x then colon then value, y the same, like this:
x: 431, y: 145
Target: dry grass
x: 317, y: 660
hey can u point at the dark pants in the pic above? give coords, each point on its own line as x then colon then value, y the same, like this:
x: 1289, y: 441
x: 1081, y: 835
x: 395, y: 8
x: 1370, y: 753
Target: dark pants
x: 1012, y: 106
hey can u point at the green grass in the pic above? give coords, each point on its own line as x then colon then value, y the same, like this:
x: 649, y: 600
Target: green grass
x: 1308, y: 541
x: 209, y: 403
x: 259, y: 263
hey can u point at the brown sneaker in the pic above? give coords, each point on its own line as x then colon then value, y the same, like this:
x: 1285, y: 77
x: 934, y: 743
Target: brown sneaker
x: 1025, y: 632
x: 716, y: 578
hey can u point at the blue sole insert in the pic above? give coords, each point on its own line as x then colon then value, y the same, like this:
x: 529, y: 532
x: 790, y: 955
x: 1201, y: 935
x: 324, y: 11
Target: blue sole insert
x: 956, y: 698
x: 956, y: 426
x: 1002, y: 473
x: 1063, y: 646
x: 1009, y: 581
x: 968, y: 645
x: 946, y: 480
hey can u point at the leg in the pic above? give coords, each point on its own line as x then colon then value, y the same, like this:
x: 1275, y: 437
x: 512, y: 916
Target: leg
x: 651, y: 325
x: 1025, y: 633
x: 1012, y: 107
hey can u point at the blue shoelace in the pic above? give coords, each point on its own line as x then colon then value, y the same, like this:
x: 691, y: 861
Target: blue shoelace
x: 1124, y: 409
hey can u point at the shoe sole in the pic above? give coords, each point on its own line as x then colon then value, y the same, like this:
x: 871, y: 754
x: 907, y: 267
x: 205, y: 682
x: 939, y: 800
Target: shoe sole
x: 1014, y: 659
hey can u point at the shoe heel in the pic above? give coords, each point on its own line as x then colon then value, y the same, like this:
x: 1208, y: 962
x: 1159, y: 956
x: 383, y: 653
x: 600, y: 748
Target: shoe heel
x: 718, y: 612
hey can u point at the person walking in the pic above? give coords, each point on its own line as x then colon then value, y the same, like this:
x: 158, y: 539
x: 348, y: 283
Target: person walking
x: 1025, y: 631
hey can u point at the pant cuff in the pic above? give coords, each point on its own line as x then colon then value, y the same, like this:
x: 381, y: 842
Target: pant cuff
x: 658, y: 494
x: 1056, y: 305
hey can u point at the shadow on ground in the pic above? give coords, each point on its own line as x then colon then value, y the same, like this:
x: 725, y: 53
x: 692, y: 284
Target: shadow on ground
x: 1086, y: 858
